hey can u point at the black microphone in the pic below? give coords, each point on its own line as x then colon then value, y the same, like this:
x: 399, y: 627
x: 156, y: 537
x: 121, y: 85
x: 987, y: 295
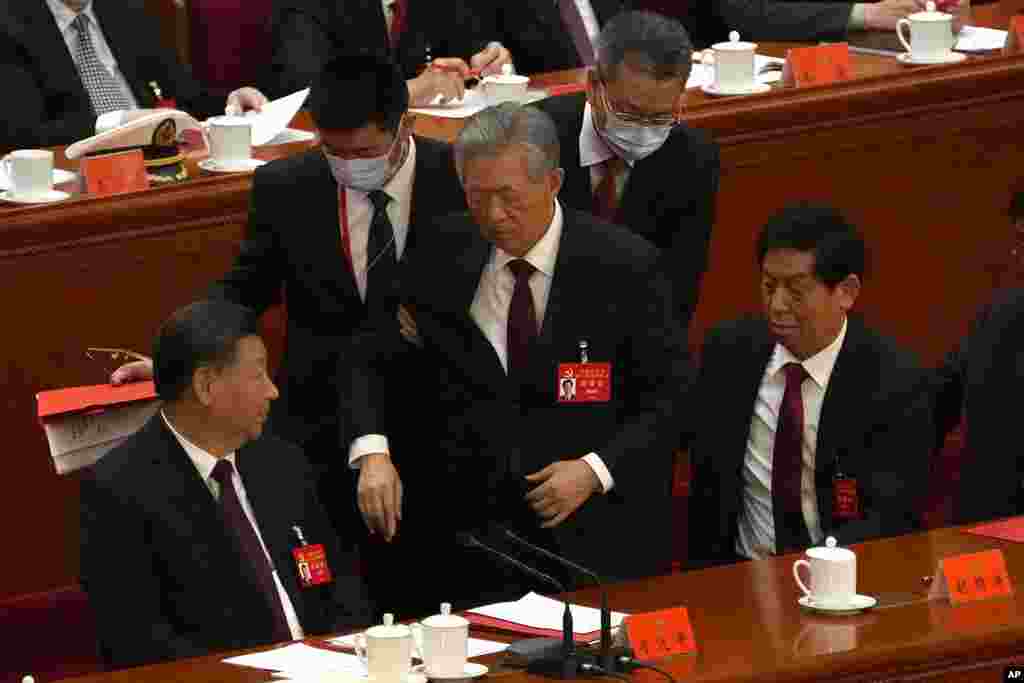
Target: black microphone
x: 607, y: 657
x: 548, y: 657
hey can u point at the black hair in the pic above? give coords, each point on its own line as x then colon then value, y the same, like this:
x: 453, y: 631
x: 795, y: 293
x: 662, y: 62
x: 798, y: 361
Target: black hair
x: 358, y: 89
x: 652, y: 43
x: 837, y: 245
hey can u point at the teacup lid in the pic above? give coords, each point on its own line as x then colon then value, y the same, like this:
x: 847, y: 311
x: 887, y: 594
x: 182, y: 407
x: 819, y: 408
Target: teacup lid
x: 930, y: 14
x: 445, y: 619
x: 389, y: 629
x: 229, y: 120
x: 831, y: 551
x: 734, y: 43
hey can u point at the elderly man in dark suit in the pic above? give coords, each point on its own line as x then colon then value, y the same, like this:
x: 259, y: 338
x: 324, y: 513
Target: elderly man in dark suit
x: 629, y: 160
x: 507, y: 300
x: 188, y: 528
x: 809, y: 423
x: 63, y: 63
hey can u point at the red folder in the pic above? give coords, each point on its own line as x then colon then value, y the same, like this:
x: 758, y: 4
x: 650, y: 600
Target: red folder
x: 1007, y: 530
x: 565, y: 89
x: 513, y: 627
x: 96, y: 397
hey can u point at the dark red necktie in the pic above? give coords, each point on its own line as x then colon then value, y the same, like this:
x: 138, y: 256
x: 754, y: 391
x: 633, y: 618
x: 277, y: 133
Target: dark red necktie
x: 606, y: 194
x: 787, y: 465
x: 522, y: 318
x: 241, y: 528
x: 398, y: 19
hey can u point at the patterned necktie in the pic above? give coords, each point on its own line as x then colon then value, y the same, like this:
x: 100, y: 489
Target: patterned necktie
x: 104, y: 92
x: 381, y: 257
x: 522, y: 318
x: 787, y: 466
x: 606, y: 194
x: 573, y: 21
x: 249, y: 543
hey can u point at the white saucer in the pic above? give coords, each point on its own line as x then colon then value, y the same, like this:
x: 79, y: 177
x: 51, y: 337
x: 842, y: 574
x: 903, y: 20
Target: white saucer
x: 755, y: 89
x: 858, y: 603
x: 950, y: 58
x: 48, y: 198
x: 472, y: 670
x: 214, y: 166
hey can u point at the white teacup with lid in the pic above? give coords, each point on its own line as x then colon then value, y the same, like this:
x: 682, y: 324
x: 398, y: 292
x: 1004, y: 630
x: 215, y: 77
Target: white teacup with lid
x: 833, y: 575
x: 734, y: 64
x: 386, y: 650
x: 504, y: 87
x: 442, y: 640
x: 931, y: 35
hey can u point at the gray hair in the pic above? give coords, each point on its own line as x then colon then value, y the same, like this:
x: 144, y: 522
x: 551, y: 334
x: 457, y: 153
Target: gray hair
x: 655, y: 44
x: 492, y: 130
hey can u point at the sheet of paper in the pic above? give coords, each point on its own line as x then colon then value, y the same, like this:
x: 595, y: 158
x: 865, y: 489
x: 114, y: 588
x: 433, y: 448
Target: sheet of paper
x: 275, y: 116
x: 980, y: 39
x: 704, y: 74
x: 79, y: 440
x: 472, y: 101
x: 291, y: 135
x: 475, y: 647
x: 538, y: 611
x: 301, y: 659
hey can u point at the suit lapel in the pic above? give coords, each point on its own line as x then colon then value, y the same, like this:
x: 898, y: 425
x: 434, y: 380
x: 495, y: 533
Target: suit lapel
x: 324, y: 245
x: 642, y: 199
x: 43, y: 36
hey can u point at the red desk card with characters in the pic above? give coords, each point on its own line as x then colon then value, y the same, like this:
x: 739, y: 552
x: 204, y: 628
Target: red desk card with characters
x: 664, y: 633
x: 971, y: 577
x: 1011, y: 529
x: 107, y: 174
x: 817, y: 65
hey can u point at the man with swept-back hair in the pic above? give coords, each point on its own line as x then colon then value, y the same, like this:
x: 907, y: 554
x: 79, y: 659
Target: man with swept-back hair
x: 508, y: 299
x: 629, y: 159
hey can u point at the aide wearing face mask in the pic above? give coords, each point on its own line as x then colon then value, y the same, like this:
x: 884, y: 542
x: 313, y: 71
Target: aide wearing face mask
x: 628, y: 157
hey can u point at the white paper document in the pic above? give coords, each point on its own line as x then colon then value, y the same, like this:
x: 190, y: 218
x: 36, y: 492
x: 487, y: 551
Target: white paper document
x: 274, y: 117
x: 980, y: 39
x: 291, y: 135
x: 475, y: 647
x: 78, y: 440
x: 473, y: 100
x: 704, y: 74
x: 301, y: 659
x: 537, y: 611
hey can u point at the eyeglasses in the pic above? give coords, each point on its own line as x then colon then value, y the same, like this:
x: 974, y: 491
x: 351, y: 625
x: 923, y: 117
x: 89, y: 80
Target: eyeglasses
x: 673, y: 119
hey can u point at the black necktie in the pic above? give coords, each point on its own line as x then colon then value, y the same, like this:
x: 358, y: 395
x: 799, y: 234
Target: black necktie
x: 787, y: 466
x: 381, y: 258
x: 522, y: 318
x: 249, y: 543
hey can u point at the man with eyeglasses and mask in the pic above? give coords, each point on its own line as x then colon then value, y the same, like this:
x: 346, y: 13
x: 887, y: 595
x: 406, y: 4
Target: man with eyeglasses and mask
x: 331, y: 228
x: 626, y: 156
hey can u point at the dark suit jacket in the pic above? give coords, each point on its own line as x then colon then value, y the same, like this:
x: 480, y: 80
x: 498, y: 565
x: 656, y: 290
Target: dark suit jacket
x: 876, y: 418
x: 308, y: 33
x: 484, y: 432
x: 770, y: 20
x: 981, y: 379
x: 164, y: 575
x: 302, y: 251
x: 669, y: 198
x: 46, y: 101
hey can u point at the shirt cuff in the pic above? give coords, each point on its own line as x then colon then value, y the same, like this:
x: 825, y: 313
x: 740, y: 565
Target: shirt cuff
x: 603, y: 475
x: 856, y: 22
x: 364, y: 445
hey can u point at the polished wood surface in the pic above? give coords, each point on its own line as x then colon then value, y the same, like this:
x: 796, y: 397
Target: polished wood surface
x: 921, y: 158
x: 749, y: 627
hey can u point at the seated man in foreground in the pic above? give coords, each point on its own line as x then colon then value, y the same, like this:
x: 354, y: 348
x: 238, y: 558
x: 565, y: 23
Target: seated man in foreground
x: 811, y: 424
x: 508, y: 300
x: 188, y: 527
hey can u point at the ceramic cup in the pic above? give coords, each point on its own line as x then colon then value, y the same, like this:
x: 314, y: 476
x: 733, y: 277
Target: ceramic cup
x: 504, y: 88
x: 734, y: 64
x: 386, y: 650
x: 442, y: 639
x: 30, y: 172
x: 931, y: 34
x: 833, y: 575
x: 230, y: 139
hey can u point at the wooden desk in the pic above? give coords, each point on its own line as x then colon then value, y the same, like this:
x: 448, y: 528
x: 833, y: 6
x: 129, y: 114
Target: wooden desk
x: 922, y: 159
x: 749, y: 627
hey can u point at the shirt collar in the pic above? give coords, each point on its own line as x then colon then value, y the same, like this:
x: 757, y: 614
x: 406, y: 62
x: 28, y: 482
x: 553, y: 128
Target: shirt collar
x: 204, y: 461
x: 544, y: 253
x: 63, y: 14
x: 819, y: 366
x: 593, y: 148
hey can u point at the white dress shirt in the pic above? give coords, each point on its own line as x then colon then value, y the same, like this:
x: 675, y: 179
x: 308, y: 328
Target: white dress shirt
x: 489, y: 311
x: 360, y: 214
x: 63, y: 15
x: 594, y: 151
x: 204, y: 463
x: 756, y: 524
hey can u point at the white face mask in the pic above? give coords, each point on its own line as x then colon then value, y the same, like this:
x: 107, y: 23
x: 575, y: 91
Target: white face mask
x: 634, y: 142
x: 365, y: 175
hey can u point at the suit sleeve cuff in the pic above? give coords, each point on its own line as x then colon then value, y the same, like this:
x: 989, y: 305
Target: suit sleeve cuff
x: 856, y: 22
x: 603, y: 475
x: 364, y: 445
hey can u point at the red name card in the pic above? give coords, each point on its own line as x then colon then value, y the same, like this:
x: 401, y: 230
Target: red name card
x: 818, y: 65
x: 107, y: 174
x: 1015, y: 36
x: 972, y: 577
x: 664, y: 633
